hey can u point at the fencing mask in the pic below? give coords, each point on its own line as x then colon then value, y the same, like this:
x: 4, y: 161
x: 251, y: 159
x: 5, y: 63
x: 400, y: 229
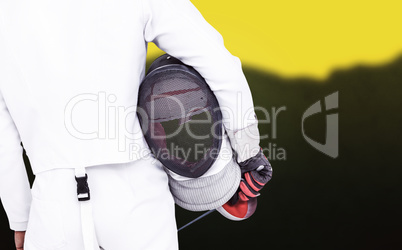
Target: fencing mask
x: 182, y: 124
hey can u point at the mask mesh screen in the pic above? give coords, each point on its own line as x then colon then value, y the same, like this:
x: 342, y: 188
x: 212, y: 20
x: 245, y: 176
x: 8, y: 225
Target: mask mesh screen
x: 181, y: 120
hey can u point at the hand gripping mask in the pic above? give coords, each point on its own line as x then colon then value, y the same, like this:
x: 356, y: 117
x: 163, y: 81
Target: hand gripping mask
x: 182, y: 124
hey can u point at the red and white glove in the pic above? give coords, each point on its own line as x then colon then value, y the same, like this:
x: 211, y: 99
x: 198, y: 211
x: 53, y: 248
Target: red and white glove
x: 256, y: 172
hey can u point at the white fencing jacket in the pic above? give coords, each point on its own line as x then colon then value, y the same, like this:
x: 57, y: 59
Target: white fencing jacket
x: 69, y: 77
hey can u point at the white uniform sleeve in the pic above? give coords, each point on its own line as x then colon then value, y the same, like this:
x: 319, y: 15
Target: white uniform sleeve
x: 178, y: 28
x: 15, y: 192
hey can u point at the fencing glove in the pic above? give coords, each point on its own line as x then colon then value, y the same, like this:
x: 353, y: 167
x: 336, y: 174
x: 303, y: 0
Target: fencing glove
x: 256, y: 171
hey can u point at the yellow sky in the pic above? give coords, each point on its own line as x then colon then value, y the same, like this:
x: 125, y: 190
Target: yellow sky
x: 306, y: 38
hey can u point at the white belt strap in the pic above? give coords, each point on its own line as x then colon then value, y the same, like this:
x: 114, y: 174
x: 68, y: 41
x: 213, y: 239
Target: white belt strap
x: 87, y: 221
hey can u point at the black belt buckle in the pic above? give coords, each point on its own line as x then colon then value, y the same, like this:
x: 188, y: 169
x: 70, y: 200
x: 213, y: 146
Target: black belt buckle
x: 82, y: 188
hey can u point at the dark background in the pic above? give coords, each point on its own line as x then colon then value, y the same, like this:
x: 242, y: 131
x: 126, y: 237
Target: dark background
x: 314, y: 201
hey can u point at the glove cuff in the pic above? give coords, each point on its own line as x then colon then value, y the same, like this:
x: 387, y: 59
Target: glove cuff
x: 245, y: 142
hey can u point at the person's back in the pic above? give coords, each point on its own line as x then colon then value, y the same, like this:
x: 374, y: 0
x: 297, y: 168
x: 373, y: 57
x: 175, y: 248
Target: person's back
x: 64, y: 64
